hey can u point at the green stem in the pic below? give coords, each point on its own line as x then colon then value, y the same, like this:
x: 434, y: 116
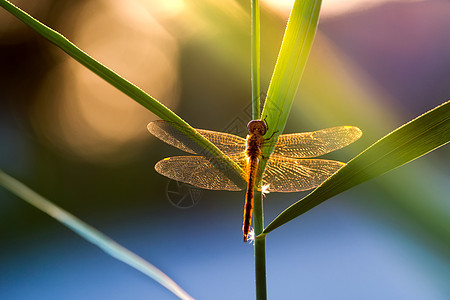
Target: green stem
x: 90, y: 233
x: 260, y: 248
x: 258, y: 215
x: 255, y: 54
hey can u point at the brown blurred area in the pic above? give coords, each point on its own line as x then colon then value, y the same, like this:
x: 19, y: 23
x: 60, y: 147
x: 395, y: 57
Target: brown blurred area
x: 72, y: 108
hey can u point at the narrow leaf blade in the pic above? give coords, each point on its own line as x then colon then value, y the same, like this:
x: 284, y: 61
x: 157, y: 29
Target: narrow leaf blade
x: 295, y: 48
x: 91, y: 234
x: 412, y: 140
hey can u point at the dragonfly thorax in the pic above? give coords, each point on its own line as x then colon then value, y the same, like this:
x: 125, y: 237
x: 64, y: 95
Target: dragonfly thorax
x: 255, y: 139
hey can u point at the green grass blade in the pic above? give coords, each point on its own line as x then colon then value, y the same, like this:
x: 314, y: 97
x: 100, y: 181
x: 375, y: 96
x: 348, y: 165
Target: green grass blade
x: 297, y: 42
x: 91, y: 234
x: 412, y: 140
x: 120, y: 83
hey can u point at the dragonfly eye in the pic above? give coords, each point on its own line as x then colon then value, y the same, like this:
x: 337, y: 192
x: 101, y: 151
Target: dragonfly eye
x: 257, y: 126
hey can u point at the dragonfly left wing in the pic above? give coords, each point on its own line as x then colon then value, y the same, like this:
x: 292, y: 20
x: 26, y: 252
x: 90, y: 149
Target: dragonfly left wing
x: 229, y: 144
x: 201, y: 172
x: 284, y: 174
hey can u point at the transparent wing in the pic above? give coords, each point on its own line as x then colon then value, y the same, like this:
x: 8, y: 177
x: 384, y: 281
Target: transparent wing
x: 228, y: 143
x: 312, y: 144
x: 201, y: 172
x: 284, y: 174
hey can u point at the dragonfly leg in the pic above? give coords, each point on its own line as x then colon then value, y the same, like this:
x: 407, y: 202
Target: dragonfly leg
x: 273, y: 133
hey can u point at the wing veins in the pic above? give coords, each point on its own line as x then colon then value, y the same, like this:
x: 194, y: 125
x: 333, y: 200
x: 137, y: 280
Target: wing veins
x: 316, y: 143
x: 228, y: 143
x: 284, y: 174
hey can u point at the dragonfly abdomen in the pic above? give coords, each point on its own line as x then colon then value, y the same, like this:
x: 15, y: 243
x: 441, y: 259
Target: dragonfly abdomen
x: 248, y: 206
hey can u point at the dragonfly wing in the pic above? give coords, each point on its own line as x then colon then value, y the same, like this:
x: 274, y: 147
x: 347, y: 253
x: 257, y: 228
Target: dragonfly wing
x: 312, y: 144
x: 200, y: 172
x: 284, y: 174
x: 228, y: 143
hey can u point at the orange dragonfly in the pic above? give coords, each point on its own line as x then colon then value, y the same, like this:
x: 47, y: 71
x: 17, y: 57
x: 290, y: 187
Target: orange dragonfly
x: 290, y: 168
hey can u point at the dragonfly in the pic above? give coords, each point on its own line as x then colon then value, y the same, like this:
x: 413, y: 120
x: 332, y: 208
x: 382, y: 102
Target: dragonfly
x: 292, y: 166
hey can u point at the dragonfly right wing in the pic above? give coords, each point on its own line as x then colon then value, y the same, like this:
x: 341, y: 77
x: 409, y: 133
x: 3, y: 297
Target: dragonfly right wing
x: 284, y: 174
x: 229, y: 144
x: 316, y: 143
x: 202, y: 172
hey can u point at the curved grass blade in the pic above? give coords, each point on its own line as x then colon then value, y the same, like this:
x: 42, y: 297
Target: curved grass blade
x: 412, y: 140
x: 297, y: 42
x: 119, y: 82
x: 291, y: 61
x: 91, y: 234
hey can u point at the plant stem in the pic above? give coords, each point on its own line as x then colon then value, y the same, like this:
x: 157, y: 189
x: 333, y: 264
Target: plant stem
x: 258, y: 215
x: 255, y: 54
x: 260, y: 248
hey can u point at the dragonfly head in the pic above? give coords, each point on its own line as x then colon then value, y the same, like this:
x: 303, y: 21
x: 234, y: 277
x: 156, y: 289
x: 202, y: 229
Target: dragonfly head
x: 257, y: 126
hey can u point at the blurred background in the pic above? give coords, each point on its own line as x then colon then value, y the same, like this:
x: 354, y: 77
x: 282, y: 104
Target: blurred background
x: 82, y: 144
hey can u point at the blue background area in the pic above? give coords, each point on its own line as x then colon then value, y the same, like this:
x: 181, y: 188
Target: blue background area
x: 334, y: 252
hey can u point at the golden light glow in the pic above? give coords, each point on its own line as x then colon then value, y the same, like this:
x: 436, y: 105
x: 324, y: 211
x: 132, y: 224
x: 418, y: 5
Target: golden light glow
x: 164, y: 8
x: 265, y: 189
x: 330, y: 7
x: 251, y: 236
x: 88, y: 116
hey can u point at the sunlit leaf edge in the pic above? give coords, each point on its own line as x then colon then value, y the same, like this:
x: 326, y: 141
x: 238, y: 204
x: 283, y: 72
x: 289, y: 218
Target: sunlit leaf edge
x: 293, y: 55
x: 410, y: 141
